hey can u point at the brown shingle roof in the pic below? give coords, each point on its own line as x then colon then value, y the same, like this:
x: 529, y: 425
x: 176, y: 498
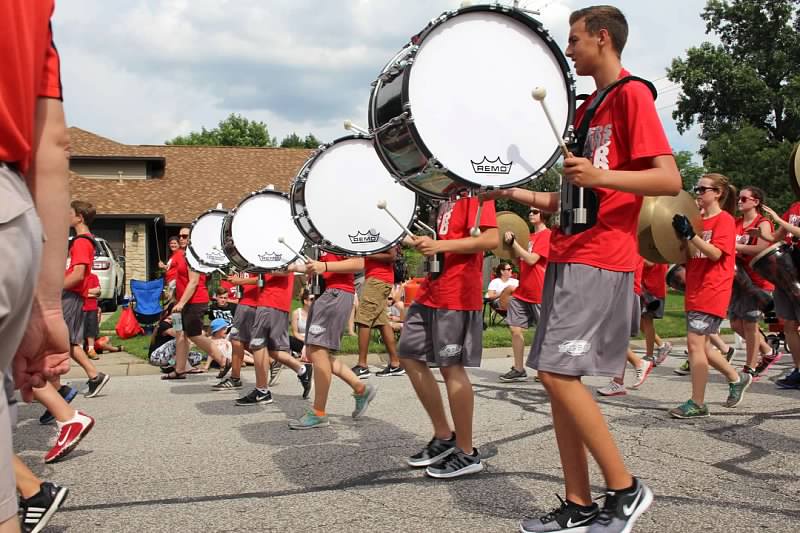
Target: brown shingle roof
x: 196, y: 178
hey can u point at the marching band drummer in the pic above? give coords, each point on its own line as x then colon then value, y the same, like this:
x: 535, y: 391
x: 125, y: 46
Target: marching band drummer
x: 785, y: 308
x: 743, y: 310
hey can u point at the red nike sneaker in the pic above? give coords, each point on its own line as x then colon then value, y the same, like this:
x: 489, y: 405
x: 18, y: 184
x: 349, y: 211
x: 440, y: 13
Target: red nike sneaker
x: 69, y: 435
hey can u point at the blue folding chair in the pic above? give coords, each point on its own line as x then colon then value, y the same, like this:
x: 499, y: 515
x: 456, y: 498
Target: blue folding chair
x: 147, y: 302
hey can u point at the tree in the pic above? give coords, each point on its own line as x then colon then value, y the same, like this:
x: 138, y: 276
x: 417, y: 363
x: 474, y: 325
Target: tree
x: 745, y: 91
x: 294, y: 141
x: 233, y: 131
x: 690, y: 171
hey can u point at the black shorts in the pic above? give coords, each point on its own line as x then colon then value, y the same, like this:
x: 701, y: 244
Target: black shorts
x: 192, y: 316
x: 91, y: 329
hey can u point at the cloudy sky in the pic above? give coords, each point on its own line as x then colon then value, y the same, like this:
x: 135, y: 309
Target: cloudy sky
x: 143, y: 71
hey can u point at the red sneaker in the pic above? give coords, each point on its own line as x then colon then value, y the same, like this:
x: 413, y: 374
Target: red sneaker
x: 69, y: 435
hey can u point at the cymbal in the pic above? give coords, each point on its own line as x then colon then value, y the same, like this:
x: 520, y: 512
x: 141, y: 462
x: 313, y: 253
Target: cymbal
x: 794, y: 171
x: 647, y: 246
x: 646, y: 214
x: 510, y: 221
x: 666, y: 240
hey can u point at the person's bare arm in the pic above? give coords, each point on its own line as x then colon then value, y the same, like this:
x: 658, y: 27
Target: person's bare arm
x: 661, y: 178
x: 75, y: 277
x: 487, y: 240
x: 95, y: 292
x: 346, y: 266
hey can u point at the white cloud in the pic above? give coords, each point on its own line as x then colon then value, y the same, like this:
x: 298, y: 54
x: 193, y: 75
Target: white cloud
x: 143, y: 71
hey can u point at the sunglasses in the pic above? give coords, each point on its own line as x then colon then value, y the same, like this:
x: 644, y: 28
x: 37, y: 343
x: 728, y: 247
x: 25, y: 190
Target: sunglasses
x: 183, y: 236
x: 702, y: 190
x: 509, y: 268
x: 534, y: 212
x: 744, y: 199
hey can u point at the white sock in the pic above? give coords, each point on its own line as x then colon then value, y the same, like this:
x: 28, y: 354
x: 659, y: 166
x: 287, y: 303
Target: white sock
x: 302, y: 370
x: 262, y: 391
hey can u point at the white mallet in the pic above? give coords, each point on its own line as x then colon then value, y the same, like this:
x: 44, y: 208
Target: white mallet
x: 349, y: 126
x: 295, y: 252
x: 382, y: 205
x: 539, y: 94
x: 475, y: 230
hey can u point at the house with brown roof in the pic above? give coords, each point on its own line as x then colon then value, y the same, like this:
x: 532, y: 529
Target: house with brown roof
x: 145, y: 193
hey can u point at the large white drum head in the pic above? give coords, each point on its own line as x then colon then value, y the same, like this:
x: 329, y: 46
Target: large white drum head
x: 205, y: 239
x: 196, y: 265
x: 258, y: 223
x: 343, y: 188
x: 470, y: 94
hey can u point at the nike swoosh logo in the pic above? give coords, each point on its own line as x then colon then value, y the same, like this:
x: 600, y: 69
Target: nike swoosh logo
x: 63, y: 441
x: 629, y: 509
x: 570, y: 523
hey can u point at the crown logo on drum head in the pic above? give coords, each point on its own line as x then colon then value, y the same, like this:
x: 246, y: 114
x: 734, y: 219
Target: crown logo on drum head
x: 270, y: 256
x: 365, y: 238
x: 216, y: 256
x: 491, y: 166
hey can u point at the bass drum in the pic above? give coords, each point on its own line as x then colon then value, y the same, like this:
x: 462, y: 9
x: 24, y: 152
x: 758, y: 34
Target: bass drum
x: 251, y: 233
x: 195, y: 264
x: 335, y: 197
x: 453, y: 110
x: 205, y: 238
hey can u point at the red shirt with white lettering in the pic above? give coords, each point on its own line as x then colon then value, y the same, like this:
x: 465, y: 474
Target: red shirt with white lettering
x: 250, y: 293
x: 335, y: 280
x: 378, y: 270
x: 742, y: 237
x: 90, y: 302
x: 31, y: 69
x: 460, y: 285
x: 709, y: 283
x: 531, y: 277
x: 277, y: 292
x: 792, y: 216
x: 233, y: 293
x: 81, y: 252
x: 625, y: 134
x: 654, y: 279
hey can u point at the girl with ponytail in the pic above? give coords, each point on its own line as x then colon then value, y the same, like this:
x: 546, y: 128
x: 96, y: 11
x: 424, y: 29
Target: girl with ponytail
x: 709, y: 281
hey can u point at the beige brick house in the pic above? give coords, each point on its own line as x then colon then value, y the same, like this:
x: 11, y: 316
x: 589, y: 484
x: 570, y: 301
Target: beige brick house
x: 144, y: 193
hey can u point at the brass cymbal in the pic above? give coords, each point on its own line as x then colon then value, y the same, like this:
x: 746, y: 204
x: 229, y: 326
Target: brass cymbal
x: 510, y: 221
x: 794, y: 171
x: 646, y: 214
x: 647, y: 247
x: 672, y: 248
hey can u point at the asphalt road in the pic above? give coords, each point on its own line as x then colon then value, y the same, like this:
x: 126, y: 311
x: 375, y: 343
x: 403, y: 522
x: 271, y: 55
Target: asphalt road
x: 175, y: 456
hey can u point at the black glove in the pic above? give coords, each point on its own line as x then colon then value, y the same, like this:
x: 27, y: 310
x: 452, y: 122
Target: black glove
x: 683, y: 227
x: 510, y: 241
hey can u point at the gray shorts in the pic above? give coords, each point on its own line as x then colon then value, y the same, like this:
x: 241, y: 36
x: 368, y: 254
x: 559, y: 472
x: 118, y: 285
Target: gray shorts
x: 586, y: 321
x: 328, y: 317
x: 522, y: 314
x: 442, y: 337
x: 21, y: 249
x: 242, y: 323
x: 743, y: 307
x: 652, y: 306
x: 72, y: 306
x: 270, y: 329
x: 636, y: 314
x: 785, y: 306
x: 702, y: 323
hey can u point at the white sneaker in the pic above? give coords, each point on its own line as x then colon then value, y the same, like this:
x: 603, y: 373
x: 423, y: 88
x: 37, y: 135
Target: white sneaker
x: 642, y: 372
x: 663, y: 351
x: 612, y: 389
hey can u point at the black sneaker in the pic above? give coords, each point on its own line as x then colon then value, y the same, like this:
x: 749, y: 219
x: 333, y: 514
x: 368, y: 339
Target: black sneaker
x: 514, y: 375
x: 66, y: 392
x: 255, y: 397
x: 361, y: 372
x: 36, y: 511
x: 456, y: 464
x: 305, y: 380
x: 729, y: 353
x: 433, y: 452
x: 228, y: 384
x: 390, y: 371
x: 622, y: 508
x: 225, y: 369
x: 96, y: 384
x: 567, y: 517
x: 275, y: 368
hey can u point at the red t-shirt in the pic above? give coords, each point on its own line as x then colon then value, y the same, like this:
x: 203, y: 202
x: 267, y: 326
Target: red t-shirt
x: 250, y: 293
x: 345, y: 282
x: 460, y: 285
x: 379, y: 270
x: 742, y: 237
x: 531, y: 277
x: 637, y: 277
x: 654, y: 279
x: 792, y: 216
x: 90, y: 302
x: 171, y: 273
x: 277, y: 292
x: 709, y: 283
x: 31, y: 70
x: 81, y: 252
x: 624, y: 134
x: 200, y: 295
x: 233, y: 294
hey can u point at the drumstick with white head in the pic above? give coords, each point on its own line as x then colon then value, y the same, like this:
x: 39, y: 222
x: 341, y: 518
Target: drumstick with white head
x: 298, y: 254
x: 383, y: 206
x: 475, y: 230
x: 349, y: 126
x: 539, y: 94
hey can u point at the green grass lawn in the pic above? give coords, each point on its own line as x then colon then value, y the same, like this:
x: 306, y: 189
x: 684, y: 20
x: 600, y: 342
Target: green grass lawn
x: 672, y: 325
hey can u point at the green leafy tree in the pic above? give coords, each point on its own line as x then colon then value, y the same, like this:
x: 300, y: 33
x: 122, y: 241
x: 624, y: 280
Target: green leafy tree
x: 690, y: 171
x: 292, y: 141
x: 233, y: 131
x: 745, y: 91
x: 311, y: 142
